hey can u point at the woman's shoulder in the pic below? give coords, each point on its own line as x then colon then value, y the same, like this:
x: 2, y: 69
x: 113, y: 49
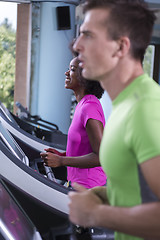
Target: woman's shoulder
x: 90, y: 99
x: 90, y: 103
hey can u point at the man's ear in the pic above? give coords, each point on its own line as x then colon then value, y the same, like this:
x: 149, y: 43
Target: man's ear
x: 124, y: 46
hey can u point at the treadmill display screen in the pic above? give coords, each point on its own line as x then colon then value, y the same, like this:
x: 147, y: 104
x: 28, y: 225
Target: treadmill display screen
x: 11, y: 144
x: 6, y: 113
x: 14, y: 223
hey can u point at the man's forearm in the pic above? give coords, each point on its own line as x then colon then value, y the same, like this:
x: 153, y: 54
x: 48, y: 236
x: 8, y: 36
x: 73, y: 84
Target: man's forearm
x: 142, y: 220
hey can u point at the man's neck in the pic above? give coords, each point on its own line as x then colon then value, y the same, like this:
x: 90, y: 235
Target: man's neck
x: 121, y: 78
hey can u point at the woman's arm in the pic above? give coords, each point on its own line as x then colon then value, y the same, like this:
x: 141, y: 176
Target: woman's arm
x: 94, y: 130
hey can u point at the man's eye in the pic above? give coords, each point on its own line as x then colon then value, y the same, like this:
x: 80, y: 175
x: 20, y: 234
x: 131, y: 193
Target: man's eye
x: 86, y: 34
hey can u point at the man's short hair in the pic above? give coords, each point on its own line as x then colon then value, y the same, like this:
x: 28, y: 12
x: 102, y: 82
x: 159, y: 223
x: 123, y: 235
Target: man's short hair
x: 131, y: 18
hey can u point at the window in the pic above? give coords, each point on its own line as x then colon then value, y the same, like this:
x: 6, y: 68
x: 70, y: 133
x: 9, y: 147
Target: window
x: 148, y: 63
x: 8, y: 21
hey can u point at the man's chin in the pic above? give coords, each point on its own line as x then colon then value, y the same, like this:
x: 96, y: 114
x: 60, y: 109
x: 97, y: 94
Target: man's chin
x: 88, y: 76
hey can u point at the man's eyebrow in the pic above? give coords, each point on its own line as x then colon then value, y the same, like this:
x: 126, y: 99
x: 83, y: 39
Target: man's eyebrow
x: 85, y: 32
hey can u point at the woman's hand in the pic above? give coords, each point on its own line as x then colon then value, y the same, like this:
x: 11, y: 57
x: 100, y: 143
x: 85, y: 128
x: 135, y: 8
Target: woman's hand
x: 52, y: 150
x: 51, y: 159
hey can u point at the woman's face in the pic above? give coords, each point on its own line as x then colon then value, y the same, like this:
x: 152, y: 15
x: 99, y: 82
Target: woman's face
x: 71, y: 81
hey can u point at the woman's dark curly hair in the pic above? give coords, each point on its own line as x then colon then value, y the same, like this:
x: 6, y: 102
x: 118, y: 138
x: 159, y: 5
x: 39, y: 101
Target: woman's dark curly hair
x: 90, y: 86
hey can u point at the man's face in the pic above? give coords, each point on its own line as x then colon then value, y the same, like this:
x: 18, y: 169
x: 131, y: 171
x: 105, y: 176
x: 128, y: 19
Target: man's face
x: 97, y: 52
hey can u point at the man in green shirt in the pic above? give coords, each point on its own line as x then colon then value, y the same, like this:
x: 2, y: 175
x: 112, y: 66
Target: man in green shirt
x: 111, y: 46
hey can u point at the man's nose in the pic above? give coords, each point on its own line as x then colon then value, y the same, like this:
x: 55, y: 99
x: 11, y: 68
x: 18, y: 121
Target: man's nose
x: 76, y: 45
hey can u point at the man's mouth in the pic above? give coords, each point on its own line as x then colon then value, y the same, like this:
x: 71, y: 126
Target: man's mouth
x: 81, y: 62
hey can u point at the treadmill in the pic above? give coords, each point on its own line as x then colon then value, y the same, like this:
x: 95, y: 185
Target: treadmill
x: 32, y: 146
x: 14, y: 222
x: 40, y: 193
x: 44, y: 200
x: 49, y: 133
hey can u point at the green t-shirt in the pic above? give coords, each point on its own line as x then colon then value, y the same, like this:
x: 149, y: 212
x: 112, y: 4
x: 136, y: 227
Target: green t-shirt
x: 131, y: 136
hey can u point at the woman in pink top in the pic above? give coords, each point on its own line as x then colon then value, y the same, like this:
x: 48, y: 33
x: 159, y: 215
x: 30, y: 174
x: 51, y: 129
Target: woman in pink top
x: 85, y: 132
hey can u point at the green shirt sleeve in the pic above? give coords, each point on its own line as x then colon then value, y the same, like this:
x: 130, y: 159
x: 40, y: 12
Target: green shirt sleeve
x: 143, y: 129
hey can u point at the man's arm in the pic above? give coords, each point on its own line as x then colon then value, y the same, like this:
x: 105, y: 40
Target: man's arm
x: 88, y: 210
